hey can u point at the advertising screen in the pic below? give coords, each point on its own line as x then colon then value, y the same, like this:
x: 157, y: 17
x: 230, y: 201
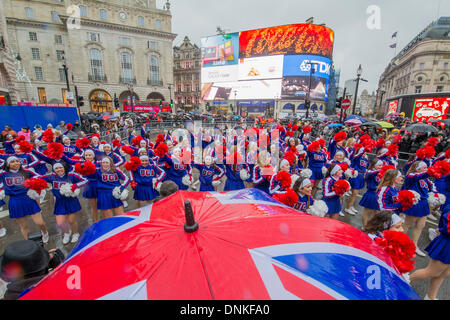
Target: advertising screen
x: 432, y: 108
x: 269, y: 63
x: 393, y: 105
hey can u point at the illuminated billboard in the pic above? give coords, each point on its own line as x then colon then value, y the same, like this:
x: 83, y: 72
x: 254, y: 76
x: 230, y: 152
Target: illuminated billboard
x: 269, y: 63
x: 430, y: 108
x: 393, y: 106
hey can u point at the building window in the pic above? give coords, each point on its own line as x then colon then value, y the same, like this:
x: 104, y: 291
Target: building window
x: 62, y: 75
x: 439, y: 88
x: 179, y: 88
x: 445, y: 65
x: 83, y: 11
x: 187, y: 56
x: 38, y: 73
x: 125, y: 41
x: 59, y: 55
x: 418, y: 89
x: 442, y: 79
x: 419, y: 78
x: 140, y: 21
x: 35, y: 54
x: 197, y: 64
x: 42, y: 95
x: 29, y: 13
x: 96, y: 64
x: 55, y: 16
x: 154, y: 69
x: 196, y: 76
x: 58, y: 39
x: 178, y: 65
x: 33, y: 36
x: 158, y: 24
x: 103, y: 14
x: 127, y: 70
x: 197, y: 88
x: 153, y: 45
x: 91, y: 36
x: 422, y: 65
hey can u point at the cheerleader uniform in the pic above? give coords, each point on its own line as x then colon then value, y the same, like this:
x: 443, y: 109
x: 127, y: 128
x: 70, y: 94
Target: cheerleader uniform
x: 9, y: 146
x: 330, y: 197
x: 206, y: 177
x: 251, y: 161
x: 175, y: 170
x: 26, y: 160
x: 234, y: 181
x: 333, y: 148
x: 260, y: 181
x: 420, y: 183
x: 117, y: 160
x: 302, y: 203
x: 70, y: 150
x: 304, y: 142
x: 19, y: 204
x: 369, y: 198
x: 360, y: 164
x: 64, y: 159
x: 386, y: 197
x: 144, y: 176
x: 65, y: 205
x: 106, y: 182
x: 387, y: 160
x: 315, y: 163
x: 408, y: 165
x: 439, y: 248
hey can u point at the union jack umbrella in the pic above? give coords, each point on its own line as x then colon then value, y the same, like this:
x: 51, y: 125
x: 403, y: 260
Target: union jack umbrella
x: 238, y: 245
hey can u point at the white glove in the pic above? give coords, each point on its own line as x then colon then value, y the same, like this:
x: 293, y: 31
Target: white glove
x: 244, y: 174
x: 120, y: 195
x: 215, y: 183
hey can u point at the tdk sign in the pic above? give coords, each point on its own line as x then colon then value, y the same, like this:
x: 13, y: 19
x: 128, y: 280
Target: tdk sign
x: 300, y: 65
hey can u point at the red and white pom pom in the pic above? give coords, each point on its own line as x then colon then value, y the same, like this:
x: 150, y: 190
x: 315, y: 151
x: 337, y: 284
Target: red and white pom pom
x: 156, y: 184
x: 284, y: 178
x: 82, y: 143
x: 187, y: 180
x: 341, y: 187
x: 33, y: 194
x: 216, y: 183
x: 66, y: 191
x: 69, y: 126
x: 407, y: 199
x: 25, y: 146
x: 294, y: 178
x: 351, y: 173
x: 133, y: 164
x: 307, y: 129
x: 161, y: 150
x: 318, y: 209
x: 244, y: 174
x: 54, y: 150
x: 120, y: 195
x: 289, y: 198
x: 340, y: 136
x: 436, y: 199
x: 324, y: 170
x: 2, y: 194
x: 126, y: 150
x: 306, y: 173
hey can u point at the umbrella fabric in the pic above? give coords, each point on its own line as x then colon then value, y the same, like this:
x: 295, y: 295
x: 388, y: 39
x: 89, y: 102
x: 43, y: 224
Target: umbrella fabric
x: 247, y: 246
x: 106, y: 117
x: 385, y: 125
x: 421, y: 127
x: 354, y: 116
x: 334, y: 125
x: 353, y: 121
x: 371, y: 124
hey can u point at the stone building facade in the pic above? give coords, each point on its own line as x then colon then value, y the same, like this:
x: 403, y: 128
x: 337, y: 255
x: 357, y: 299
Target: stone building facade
x: 421, y: 67
x: 187, y: 64
x: 119, y: 48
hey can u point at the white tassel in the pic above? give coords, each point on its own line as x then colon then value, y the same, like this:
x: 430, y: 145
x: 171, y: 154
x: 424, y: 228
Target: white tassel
x: 416, y: 197
x: 244, y: 174
x: 351, y: 173
x: 2, y: 194
x: 32, y: 194
x: 216, y: 183
x: 187, y: 180
x: 120, y: 195
x: 294, y: 178
x: 319, y: 208
x: 300, y: 147
x: 306, y: 173
x: 324, y: 170
x: 122, y: 153
x: 436, y: 199
x: 66, y: 191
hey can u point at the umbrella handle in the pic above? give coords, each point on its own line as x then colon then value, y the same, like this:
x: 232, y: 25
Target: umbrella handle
x: 191, y: 225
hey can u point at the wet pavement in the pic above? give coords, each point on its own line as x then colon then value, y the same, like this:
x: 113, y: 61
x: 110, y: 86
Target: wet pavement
x: 84, y: 219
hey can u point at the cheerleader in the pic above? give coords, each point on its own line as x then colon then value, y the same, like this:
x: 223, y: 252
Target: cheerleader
x: 349, y: 148
x: 210, y: 174
x: 337, y: 143
x: 330, y: 197
x: 387, y: 191
x: 382, y: 221
x: 303, y: 187
x: 360, y: 163
x: 90, y: 189
x: 439, y: 252
x: 316, y: 161
x: 146, y: 181
x: 177, y: 169
x: 70, y: 150
x: 236, y: 171
x: 251, y: 159
x: 20, y: 205
x: 66, y: 200
x: 262, y: 172
x: 105, y: 150
x: 108, y: 179
x: 95, y: 141
x: 8, y: 144
x: 275, y: 184
x: 417, y: 180
x: 369, y: 199
x: 27, y: 160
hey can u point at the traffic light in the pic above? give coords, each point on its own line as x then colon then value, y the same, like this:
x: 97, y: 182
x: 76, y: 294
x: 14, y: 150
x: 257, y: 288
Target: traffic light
x: 207, y: 106
x: 338, y: 103
x: 171, y: 103
x: 80, y: 101
x: 231, y: 107
x: 160, y: 103
x: 116, y: 103
x: 307, y: 104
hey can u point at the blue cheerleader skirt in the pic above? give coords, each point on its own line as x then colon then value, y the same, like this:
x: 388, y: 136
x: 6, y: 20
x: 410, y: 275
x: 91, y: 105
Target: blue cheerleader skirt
x: 105, y: 200
x: 358, y: 182
x: 144, y: 193
x: 179, y: 182
x: 66, y: 205
x: 369, y: 201
x: 421, y: 209
x: 439, y: 248
x: 333, y: 204
x: 21, y: 206
x: 441, y: 185
x: 205, y: 187
x: 316, y: 173
x: 90, y: 190
x: 231, y: 185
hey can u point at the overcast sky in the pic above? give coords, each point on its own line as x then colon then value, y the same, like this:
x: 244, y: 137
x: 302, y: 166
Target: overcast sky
x: 354, y: 43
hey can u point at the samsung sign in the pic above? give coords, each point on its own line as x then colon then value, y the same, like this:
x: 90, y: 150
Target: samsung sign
x: 299, y: 65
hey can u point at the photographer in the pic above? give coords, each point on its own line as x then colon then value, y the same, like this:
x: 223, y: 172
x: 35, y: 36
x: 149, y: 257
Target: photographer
x: 24, y: 263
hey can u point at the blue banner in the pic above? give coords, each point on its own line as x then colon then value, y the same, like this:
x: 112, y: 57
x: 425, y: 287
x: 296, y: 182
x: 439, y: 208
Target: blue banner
x: 256, y: 103
x: 297, y: 65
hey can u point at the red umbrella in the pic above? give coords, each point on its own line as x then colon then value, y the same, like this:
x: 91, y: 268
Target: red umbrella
x: 234, y: 245
x: 106, y: 117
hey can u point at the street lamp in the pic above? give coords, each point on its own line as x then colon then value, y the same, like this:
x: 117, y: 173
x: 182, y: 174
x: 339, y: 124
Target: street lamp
x: 308, y: 99
x: 358, y: 74
x: 63, y: 58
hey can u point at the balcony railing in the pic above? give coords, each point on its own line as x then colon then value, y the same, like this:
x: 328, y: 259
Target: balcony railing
x: 152, y: 82
x: 2, y: 43
x: 127, y: 80
x: 97, y: 77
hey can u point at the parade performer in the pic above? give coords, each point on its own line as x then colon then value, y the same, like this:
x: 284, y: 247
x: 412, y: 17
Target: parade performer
x: 236, y: 171
x: 333, y: 189
x: 369, y: 199
x: 210, y: 174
